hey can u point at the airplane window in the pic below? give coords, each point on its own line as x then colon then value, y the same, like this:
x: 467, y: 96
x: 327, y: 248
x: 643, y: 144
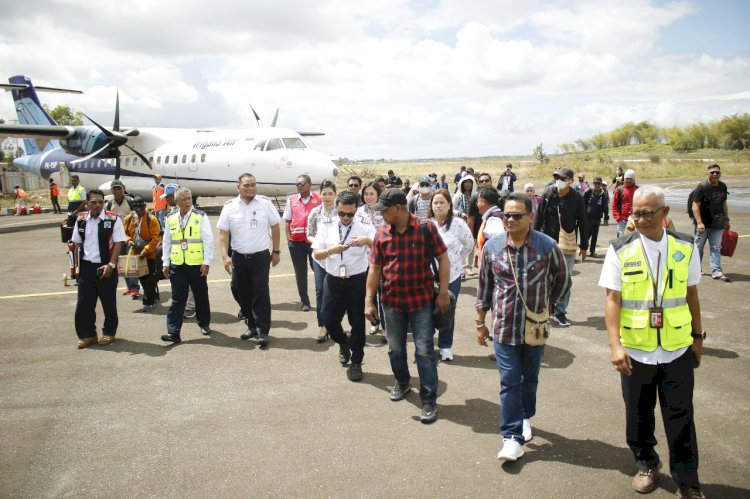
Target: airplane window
x: 203, y: 158
x: 135, y: 161
x: 184, y: 158
x: 260, y: 145
x: 166, y: 160
x: 274, y: 144
x: 127, y: 161
x: 294, y: 143
x: 175, y: 159
x: 192, y: 158
x: 158, y: 160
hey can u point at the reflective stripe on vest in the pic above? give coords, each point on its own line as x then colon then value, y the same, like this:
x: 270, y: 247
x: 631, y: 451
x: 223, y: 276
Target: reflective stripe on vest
x: 300, y: 211
x: 637, y: 297
x: 193, y: 255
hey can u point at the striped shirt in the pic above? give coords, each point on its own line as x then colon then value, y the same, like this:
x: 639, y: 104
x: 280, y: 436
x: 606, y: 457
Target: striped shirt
x: 541, y: 271
x: 407, y: 276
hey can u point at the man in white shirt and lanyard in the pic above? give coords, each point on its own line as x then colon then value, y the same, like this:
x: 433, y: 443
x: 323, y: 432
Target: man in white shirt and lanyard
x: 99, y: 235
x: 188, y: 248
x: 653, y: 321
x: 344, y: 247
x: 253, y: 224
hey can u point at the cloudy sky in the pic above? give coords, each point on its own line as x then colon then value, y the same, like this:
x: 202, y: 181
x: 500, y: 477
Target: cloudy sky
x: 391, y: 78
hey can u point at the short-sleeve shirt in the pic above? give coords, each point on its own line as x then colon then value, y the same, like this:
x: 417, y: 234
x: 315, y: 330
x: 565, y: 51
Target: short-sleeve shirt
x: 407, y: 276
x: 91, y: 243
x: 355, y: 257
x: 249, y: 223
x: 716, y: 196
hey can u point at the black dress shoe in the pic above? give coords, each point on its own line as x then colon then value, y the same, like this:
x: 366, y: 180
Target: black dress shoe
x: 344, y: 354
x: 429, y: 413
x: 262, y: 339
x: 250, y: 333
x: 354, y: 373
x: 399, y: 392
x: 174, y: 338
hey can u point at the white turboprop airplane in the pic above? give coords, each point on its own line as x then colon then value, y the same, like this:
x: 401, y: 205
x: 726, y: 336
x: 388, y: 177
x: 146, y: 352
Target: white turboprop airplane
x: 209, y: 162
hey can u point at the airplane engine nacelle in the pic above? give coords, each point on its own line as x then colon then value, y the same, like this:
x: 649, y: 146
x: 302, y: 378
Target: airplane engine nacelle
x: 86, y: 140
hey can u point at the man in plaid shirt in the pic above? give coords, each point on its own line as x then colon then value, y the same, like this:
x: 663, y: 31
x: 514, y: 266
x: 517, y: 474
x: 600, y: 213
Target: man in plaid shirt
x: 542, y: 274
x: 399, y: 254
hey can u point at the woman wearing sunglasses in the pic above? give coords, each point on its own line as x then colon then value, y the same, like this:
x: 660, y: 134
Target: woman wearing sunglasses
x: 459, y: 240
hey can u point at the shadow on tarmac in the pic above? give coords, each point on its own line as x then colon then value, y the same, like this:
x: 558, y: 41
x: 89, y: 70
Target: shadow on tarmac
x: 720, y: 353
x: 554, y: 358
x: 596, y: 322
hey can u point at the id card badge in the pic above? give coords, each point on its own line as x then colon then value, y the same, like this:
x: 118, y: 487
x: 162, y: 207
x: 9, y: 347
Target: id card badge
x: 342, y: 271
x: 183, y: 245
x: 253, y: 224
x: 656, y: 317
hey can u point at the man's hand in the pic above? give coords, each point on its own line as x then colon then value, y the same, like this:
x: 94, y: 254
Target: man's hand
x: 443, y: 301
x: 204, y: 270
x: 106, y: 271
x: 228, y: 265
x: 142, y: 254
x: 697, y: 351
x: 482, y: 334
x: 165, y: 272
x: 583, y: 254
x: 701, y: 228
x: 621, y: 359
x: 371, y: 312
x: 275, y: 259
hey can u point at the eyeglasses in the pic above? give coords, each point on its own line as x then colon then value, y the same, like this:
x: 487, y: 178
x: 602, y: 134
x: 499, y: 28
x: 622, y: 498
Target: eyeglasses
x: 348, y: 214
x: 352, y: 186
x: 96, y: 201
x: 714, y: 173
x: 301, y: 184
x: 648, y: 215
x: 484, y: 181
x: 514, y: 216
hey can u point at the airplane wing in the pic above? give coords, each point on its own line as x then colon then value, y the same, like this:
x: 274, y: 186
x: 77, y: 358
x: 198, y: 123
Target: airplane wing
x: 311, y: 134
x: 37, y: 131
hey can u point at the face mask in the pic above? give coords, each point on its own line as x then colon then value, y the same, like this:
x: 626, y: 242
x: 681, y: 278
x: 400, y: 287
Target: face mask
x: 424, y: 190
x: 560, y: 184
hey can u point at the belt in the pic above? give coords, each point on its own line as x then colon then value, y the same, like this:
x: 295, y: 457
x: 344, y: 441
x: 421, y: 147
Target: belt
x: 347, y: 277
x: 248, y: 255
x: 90, y: 262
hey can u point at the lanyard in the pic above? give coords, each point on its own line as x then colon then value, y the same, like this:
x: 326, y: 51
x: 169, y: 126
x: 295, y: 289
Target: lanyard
x: 343, y: 239
x: 654, y: 279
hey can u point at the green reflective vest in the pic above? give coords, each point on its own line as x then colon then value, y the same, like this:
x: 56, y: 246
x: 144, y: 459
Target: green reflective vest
x: 637, y: 295
x: 76, y: 193
x: 190, y: 234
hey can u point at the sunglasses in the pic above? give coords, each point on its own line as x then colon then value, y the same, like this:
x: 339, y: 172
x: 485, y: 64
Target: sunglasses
x: 485, y: 181
x: 647, y: 215
x: 353, y: 186
x: 348, y: 214
x: 514, y: 216
x: 96, y: 202
x: 714, y: 173
x: 301, y: 184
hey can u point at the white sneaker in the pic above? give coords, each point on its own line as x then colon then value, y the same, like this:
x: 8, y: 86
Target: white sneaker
x: 527, y: 435
x: 511, y: 450
x: 374, y: 329
x: 446, y: 354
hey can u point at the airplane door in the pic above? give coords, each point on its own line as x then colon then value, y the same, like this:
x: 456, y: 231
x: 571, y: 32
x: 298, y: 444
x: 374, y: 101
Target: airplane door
x: 64, y: 175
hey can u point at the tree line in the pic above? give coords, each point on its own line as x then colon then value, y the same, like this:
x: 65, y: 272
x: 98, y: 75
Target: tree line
x: 730, y: 133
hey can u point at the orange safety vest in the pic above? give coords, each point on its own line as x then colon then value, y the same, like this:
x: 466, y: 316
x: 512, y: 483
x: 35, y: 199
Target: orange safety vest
x: 53, y: 190
x: 21, y: 193
x: 159, y: 203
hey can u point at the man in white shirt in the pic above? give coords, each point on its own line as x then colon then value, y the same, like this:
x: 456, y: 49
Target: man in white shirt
x: 99, y: 235
x: 188, y: 248
x: 344, y: 247
x: 653, y: 321
x: 252, y: 222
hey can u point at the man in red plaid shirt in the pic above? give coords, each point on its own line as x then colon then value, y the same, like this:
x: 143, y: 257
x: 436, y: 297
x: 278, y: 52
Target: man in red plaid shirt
x: 399, y: 255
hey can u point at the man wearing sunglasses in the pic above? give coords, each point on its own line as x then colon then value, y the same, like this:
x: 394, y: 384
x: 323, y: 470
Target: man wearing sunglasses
x: 653, y: 318
x: 354, y: 184
x: 296, y: 213
x: 99, y: 235
x: 341, y: 248
x: 710, y: 216
x: 542, y: 277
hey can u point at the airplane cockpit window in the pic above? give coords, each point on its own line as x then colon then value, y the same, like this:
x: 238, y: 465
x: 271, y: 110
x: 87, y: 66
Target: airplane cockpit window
x: 294, y: 143
x: 260, y: 145
x: 274, y: 144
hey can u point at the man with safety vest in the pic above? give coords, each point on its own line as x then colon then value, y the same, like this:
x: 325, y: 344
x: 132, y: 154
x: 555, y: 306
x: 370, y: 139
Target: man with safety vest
x: 188, y: 249
x: 158, y: 201
x: 76, y: 196
x: 54, y: 193
x: 653, y: 319
x: 21, y: 199
x: 296, y: 212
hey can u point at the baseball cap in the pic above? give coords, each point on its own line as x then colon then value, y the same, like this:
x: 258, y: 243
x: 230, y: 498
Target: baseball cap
x: 425, y: 180
x: 597, y: 180
x: 390, y: 197
x: 630, y: 174
x: 170, y: 189
x: 564, y: 173
x: 116, y: 183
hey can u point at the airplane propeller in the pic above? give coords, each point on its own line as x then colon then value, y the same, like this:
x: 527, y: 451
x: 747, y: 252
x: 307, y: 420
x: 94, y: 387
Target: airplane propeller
x: 115, y: 139
x: 260, y: 123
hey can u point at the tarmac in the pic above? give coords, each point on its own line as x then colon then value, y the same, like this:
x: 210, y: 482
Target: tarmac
x: 219, y: 417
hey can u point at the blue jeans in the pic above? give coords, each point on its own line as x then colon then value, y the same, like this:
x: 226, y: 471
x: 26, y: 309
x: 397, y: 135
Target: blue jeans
x: 714, y: 242
x: 422, y: 331
x: 562, y: 307
x: 621, y: 225
x: 445, y: 336
x: 320, y: 276
x: 519, y: 377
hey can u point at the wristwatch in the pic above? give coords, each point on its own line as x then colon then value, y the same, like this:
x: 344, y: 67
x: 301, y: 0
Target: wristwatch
x: 112, y: 265
x: 276, y: 252
x: 699, y: 336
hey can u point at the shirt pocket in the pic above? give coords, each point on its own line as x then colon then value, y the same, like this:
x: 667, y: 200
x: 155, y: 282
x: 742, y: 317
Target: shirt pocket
x: 632, y: 277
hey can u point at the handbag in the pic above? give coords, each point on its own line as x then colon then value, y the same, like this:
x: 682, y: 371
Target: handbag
x: 728, y: 242
x: 567, y: 240
x: 131, y: 265
x: 440, y: 320
x: 536, y: 328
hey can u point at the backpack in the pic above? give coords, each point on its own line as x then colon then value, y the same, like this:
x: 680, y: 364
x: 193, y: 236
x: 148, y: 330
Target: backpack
x: 691, y: 198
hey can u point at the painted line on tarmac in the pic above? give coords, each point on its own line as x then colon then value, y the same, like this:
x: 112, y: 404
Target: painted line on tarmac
x: 73, y: 291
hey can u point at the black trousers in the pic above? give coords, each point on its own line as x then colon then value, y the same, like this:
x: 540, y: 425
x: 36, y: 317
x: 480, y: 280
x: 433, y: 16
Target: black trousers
x: 149, y: 284
x: 673, y: 383
x: 301, y: 254
x: 90, y: 288
x: 183, y: 277
x: 250, y: 277
x: 593, y: 233
x: 346, y: 296
x: 55, y: 204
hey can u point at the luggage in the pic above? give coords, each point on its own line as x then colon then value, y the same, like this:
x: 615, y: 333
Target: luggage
x: 728, y: 242
x: 131, y: 266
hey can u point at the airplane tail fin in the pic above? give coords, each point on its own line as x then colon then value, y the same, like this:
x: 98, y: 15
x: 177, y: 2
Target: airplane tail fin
x: 30, y: 110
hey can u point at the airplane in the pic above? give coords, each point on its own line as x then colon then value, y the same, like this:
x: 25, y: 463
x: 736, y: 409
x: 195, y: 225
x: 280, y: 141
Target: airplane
x: 209, y: 162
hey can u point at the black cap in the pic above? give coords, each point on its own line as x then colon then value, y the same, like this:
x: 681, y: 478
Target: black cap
x: 564, y: 173
x: 390, y: 197
x: 117, y: 183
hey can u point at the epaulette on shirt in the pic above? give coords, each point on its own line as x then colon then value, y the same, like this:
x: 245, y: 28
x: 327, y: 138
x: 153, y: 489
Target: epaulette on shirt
x: 199, y: 212
x: 110, y: 215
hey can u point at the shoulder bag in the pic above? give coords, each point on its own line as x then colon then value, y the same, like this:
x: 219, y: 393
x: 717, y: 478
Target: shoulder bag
x: 536, y: 328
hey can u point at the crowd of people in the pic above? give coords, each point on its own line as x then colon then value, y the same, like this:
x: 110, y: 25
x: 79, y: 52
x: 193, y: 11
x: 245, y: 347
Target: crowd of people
x: 395, y: 256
